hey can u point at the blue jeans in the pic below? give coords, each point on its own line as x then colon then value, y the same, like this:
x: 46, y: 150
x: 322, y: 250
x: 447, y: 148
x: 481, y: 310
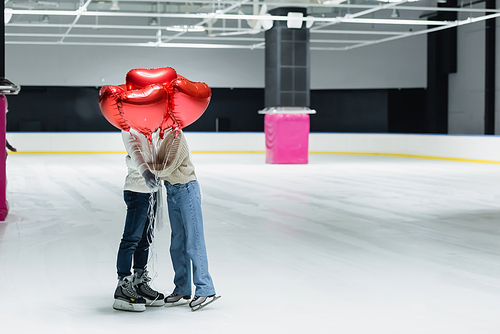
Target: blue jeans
x: 187, y: 240
x: 137, y: 234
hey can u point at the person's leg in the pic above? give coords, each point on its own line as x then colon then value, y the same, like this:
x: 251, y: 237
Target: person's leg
x: 141, y: 254
x: 137, y: 211
x: 178, y: 254
x: 189, y: 202
x: 126, y: 298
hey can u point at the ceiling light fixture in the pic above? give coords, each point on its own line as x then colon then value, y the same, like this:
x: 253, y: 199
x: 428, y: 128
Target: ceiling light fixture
x: 7, y: 15
x: 114, y: 5
x: 392, y: 21
x: 47, y: 4
x: 294, y: 20
x: 186, y: 28
x: 396, y: 1
x: 333, y: 2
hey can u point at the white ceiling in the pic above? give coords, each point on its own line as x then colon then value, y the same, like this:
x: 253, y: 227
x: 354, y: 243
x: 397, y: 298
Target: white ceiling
x: 334, y: 25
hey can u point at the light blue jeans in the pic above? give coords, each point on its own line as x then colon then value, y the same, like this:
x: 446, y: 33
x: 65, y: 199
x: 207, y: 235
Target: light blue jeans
x: 187, y: 243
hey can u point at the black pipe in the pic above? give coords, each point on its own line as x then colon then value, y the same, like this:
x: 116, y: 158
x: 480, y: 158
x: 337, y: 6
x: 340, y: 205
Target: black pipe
x: 489, y: 86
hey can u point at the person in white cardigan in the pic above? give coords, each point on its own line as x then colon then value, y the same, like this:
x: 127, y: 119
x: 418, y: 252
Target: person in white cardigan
x: 149, y: 165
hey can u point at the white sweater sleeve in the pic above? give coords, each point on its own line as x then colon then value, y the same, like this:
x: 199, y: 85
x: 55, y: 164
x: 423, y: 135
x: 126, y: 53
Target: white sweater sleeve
x: 134, y: 148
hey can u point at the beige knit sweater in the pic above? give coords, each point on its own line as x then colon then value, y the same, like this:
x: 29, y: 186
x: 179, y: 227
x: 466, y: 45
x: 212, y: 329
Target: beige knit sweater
x: 167, y: 158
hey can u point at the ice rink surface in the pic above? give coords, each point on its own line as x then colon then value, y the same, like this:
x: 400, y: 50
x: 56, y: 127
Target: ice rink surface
x: 345, y: 244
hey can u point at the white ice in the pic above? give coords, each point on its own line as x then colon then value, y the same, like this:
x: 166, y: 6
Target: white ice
x: 345, y: 244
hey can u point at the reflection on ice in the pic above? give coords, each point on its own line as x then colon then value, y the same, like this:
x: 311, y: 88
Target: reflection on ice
x: 345, y: 244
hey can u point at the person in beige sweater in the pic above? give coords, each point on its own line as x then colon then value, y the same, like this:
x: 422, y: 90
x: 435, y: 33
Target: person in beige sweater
x: 168, y: 161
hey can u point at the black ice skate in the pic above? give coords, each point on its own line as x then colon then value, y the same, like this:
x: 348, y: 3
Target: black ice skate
x: 141, y: 285
x: 126, y: 298
x: 200, y: 302
x: 176, y: 300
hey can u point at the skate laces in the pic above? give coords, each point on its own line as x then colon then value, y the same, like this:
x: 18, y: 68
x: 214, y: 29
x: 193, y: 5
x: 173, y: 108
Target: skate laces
x: 148, y: 289
x: 145, y: 277
x: 127, y: 284
x: 145, y: 285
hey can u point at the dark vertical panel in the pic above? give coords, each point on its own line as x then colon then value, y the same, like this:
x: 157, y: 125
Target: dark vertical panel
x: 489, y: 93
x: 441, y: 61
x: 447, y: 39
x: 271, y: 71
x: 287, y: 63
x: 437, y: 89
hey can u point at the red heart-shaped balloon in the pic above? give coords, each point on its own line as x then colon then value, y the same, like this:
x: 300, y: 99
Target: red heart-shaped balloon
x: 190, y: 100
x: 141, y: 77
x: 154, y: 99
x: 108, y: 96
x: 144, y: 109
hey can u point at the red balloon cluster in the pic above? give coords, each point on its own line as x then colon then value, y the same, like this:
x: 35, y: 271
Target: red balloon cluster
x: 153, y: 99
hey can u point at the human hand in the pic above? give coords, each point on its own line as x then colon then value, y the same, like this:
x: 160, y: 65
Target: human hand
x: 150, y: 178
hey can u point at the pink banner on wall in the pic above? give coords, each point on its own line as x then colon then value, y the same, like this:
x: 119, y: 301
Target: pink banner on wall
x: 287, y: 138
x: 4, y: 209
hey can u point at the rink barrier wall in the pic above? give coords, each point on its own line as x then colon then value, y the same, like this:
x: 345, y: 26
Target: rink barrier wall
x: 467, y: 148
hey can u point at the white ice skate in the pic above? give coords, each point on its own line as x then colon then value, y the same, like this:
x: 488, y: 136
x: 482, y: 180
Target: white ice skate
x: 141, y: 286
x: 126, y: 298
x: 200, y: 302
x: 176, y: 300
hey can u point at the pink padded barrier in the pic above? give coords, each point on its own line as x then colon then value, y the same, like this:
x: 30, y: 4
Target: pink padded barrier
x: 4, y: 209
x: 287, y: 138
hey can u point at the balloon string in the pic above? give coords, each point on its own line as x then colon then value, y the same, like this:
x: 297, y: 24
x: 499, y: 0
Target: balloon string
x: 153, y: 259
x: 155, y: 159
x: 149, y: 153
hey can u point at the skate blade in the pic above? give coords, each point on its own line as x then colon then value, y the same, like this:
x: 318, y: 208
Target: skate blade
x: 155, y: 303
x: 178, y: 303
x: 199, y: 307
x: 122, y: 305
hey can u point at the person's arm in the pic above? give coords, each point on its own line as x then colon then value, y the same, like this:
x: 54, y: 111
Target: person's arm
x: 135, y: 148
x: 171, y: 153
